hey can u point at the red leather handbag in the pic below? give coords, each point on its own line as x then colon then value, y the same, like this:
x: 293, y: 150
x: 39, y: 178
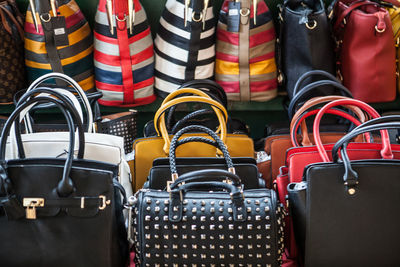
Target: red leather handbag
x: 366, y: 50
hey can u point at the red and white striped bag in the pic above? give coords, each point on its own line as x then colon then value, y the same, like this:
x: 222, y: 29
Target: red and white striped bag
x: 123, y: 54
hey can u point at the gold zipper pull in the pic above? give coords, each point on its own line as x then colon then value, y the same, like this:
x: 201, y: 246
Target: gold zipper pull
x: 53, y: 5
x: 131, y: 16
x: 31, y: 204
x: 110, y: 12
x: 33, y: 11
x: 255, y: 2
x: 205, y: 12
x: 186, y: 12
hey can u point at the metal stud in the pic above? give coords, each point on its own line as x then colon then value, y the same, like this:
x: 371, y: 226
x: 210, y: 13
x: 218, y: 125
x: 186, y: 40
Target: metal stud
x: 212, y: 210
x: 184, y: 227
x: 175, y: 227
x: 194, y: 227
x: 221, y: 256
x: 158, y: 202
x: 259, y: 227
x: 240, y: 217
x: 220, y: 226
x: 267, y: 218
x: 194, y: 201
x: 147, y: 236
x: 165, y: 218
x: 231, y: 237
x: 175, y: 236
x: 166, y: 209
x: 184, y: 218
x: 175, y: 217
x: 166, y: 237
x: 185, y: 256
x: 221, y: 209
x: 257, y: 202
x: 249, y: 237
x: 212, y: 227
x: 147, y: 218
x: 249, y: 246
x: 203, y: 247
x: 211, y: 237
x: 194, y: 246
x: 157, y: 246
x: 148, y: 201
x: 174, y: 246
x: 248, y: 209
x: 202, y: 227
x: 166, y: 256
x: 148, y: 208
x: 259, y: 237
x: 241, y: 256
x: 248, y: 201
x: 146, y: 227
x: 267, y: 226
x: 266, y: 209
x: 221, y: 218
x: 203, y: 256
x: 185, y: 202
x: 240, y: 246
x: 156, y: 236
x: 221, y: 246
x: 184, y: 209
x: 240, y: 227
x: 257, y: 209
x: 230, y: 210
x: 230, y: 218
x: 166, y: 202
x: 259, y: 256
x: 258, y: 218
x: 212, y: 247
x: 184, y: 236
x: 157, y: 226
x: 221, y: 203
x: 203, y: 236
x: 240, y: 237
x: 221, y: 237
x: 203, y: 203
x: 231, y: 227
x: 249, y: 227
x: 194, y: 218
x: 194, y: 210
x: 203, y: 218
x: 212, y: 218
x: 212, y: 203
x: 148, y: 255
x: 269, y: 254
x: 203, y: 209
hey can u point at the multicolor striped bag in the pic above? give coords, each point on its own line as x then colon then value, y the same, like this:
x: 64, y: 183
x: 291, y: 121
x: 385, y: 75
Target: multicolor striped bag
x: 123, y: 54
x: 58, y: 39
x: 185, y: 44
x: 245, y: 61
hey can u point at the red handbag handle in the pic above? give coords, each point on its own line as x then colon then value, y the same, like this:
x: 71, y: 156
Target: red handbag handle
x: 293, y: 133
x: 350, y: 9
x: 386, y: 151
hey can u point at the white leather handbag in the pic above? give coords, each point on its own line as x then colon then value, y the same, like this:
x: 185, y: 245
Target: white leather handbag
x: 99, y: 147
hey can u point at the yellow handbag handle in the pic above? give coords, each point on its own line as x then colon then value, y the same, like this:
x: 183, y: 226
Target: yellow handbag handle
x: 188, y: 90
x: 217, y: 107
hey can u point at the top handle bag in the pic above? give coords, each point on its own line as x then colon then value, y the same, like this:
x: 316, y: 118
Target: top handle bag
x: 123, y: 54
x: 185, y: 44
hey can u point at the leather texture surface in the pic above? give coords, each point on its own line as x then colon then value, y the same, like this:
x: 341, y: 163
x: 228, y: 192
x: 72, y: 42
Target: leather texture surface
x: 341, y: 228
x: 245, y: 168
x: 366, y: 76
x: 52, y: 239
x: 238, y: 146
x: 314, y: 45
x: 208, y: 231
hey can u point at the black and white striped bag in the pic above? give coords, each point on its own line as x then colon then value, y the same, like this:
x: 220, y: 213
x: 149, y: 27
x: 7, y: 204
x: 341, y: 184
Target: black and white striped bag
x: 185, y: 44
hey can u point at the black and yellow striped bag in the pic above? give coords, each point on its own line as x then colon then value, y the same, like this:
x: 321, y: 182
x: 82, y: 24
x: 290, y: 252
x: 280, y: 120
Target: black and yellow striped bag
x: 58, y: 39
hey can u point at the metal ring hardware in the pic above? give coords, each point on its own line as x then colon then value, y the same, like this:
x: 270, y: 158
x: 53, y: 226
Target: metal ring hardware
x: 45, y: 20
x: 121, y: 20
x: 378, y: 30
x: 194, y: 16
x: 245, y: 14
x: 313, y: 26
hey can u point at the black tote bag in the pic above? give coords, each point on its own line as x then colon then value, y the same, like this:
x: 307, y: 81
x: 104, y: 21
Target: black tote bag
x: 59, y: 212
x: 345, y: 213
x: 305, y: 42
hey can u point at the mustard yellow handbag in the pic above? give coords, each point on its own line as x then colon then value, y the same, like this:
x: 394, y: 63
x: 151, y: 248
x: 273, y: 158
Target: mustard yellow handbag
x: 149, y: 148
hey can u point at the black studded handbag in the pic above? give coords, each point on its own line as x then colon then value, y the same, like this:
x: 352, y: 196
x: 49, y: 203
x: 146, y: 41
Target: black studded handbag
x: 202, y: 219
x: 245, y: 167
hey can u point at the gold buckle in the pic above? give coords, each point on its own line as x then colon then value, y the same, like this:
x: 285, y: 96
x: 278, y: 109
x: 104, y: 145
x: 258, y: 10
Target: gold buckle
x: 31, y: 204
x: 104, y: 202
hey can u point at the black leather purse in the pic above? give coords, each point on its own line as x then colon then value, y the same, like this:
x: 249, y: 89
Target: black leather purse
x: 202, y: 219
x: 246, y: 168
x: 344, y: 212
x: 305, y: 42
x: 51, y: 208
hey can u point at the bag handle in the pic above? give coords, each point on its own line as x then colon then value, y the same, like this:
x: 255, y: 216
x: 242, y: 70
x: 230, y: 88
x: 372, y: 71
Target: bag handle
x: 309, y: 74
x: 65, y: 186
x: 207, y: 175
x: 7, y: 27
x: 182, y: 91
x: 177, y: 196
x: 350, y: 9
x: 293, y: 133
x: 69, y: 106
x: 311, y: 87
x: 312, y: 103
x: 218, y: 108
x: 350, y: 177
x: 75, y: 86
x: 175, y: 143
x: 347, y: 138
x: 210, y: 87
x: 386, y: 151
